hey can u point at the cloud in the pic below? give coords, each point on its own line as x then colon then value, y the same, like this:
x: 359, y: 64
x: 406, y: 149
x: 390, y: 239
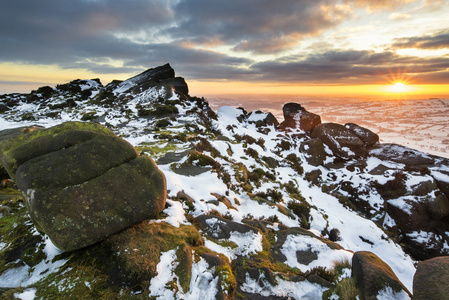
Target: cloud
x: 260, y: 26
x: 377, y: 5
x: 351, y: 67
x: 115, y: 36
x: 439, y: 40
x: 399, y: 16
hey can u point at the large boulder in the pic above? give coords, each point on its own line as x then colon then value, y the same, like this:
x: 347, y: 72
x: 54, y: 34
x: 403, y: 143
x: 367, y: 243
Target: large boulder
x: 401, y: 154
x: 314, y: 151
x: 296, y: 116
x: 374, y: 277
x: 342, y: 141
x: 367, y: 136
x: 430, y: 280
x: 80, y: 182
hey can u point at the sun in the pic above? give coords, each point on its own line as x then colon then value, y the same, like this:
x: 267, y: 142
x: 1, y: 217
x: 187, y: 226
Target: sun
x: 399, y: 87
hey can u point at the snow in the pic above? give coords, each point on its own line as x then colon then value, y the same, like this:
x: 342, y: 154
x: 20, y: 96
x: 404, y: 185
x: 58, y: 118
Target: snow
x: 402, y: 203
x: 295, y: 290
x: 247, y: 243
x: 326, y: 257
x: 388, y: 294
x: 28, y: 294
x: 26, y: 275
x: 203, y: 284
x: 357, y: 233
x: 165, y: 272
x: 175, y: 214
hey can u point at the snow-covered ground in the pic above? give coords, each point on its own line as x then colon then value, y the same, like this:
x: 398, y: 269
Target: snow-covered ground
x: 419, y: 124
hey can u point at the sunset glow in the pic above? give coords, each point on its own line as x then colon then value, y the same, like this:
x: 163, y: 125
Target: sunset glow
x: 380, y: 48
x: 399, y: 87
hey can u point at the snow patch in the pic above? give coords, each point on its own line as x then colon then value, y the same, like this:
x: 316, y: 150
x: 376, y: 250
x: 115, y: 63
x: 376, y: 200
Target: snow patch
x: 326, y: 257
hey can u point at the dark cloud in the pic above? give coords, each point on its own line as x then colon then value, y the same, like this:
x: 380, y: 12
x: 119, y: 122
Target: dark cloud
x: 352, y: 67
x: 439, y: 40
x: 53, y: 31
x: 259, y: 26
x: 97, y: 35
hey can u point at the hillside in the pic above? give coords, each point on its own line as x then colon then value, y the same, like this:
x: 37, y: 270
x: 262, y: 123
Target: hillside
x: 252, y: 208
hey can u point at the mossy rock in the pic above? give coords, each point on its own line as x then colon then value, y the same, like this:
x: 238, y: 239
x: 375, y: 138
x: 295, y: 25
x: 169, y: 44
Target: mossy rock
x: 81, y: 183
x: 76, y: 164
x: 373, y: 275
x: 22, y: 144
x: 139, y: 248
x: 81, y: 215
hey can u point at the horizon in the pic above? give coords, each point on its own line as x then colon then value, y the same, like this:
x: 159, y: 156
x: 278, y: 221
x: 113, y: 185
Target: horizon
x: 356, y: 48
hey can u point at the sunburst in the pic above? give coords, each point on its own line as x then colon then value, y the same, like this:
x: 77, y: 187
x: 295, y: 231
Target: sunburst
x: 400, y: 82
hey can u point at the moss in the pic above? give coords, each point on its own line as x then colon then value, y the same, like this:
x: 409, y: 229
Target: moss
x: 314, y: 177
x: 22, y: 144
x: 16, y: 231
x: 302, y: 210
x: 162, y: 123
x: 88, y: 116
x: 271, y: 194
x: 150, y: 240
x: 252, y: 153
x: 184, y: 268
x: 228, y: 282
x: 345, y: 289
x: 197, y: 159
x: 157, y: 149
x: 295, y: 163
x: 205, y: 146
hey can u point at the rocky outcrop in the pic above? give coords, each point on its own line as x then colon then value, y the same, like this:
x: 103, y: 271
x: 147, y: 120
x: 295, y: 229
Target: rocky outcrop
x: 81, y: 183
x: 368, y: 137
x: 373, y: 276
x: 154, y: 77
x: 342, y: 141
x: 296, y: 116
x: 430, y: 280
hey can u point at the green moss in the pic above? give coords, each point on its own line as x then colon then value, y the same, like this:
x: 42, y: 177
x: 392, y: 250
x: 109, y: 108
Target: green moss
x: 345, y: 289
x: 302, y: 210
x: 162, y: 123
x: 228, y: 282
x: 157, y: 149
x: 184, y: 268
x: 150, y: 240
x: 16, y: 231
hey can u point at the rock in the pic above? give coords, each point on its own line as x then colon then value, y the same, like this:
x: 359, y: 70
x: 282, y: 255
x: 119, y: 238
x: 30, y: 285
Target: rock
x: 295, y: 116
x: 304, y: 257
x: 373, y: 275
x: 401, y: 154
x: 430, y: 280
x: 314, y: 151
x: 418, y: 217
x: 159, y: 76
x: 342, y: 141
x: 367, y: 136
x: 220, y: 228
x: 81, y: 183
x: 262, y: 119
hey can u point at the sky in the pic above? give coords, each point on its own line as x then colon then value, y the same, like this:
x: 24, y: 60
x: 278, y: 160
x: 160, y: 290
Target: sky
x: 313, y: 47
